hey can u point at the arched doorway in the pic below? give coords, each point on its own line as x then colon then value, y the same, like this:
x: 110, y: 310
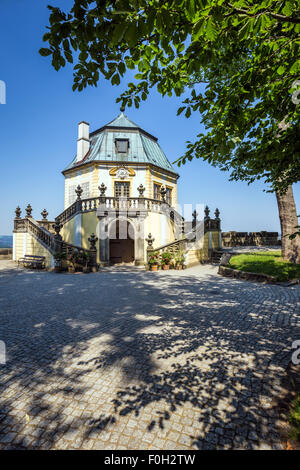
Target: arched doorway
x: 121, y: 242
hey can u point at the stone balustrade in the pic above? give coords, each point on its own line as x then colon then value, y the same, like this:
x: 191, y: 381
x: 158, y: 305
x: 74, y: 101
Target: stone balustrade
x: 52, y: 239
x: 262, y: 238
x: 107, y: 203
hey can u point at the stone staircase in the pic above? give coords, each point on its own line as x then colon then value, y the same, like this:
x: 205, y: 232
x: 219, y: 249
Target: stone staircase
x: 216, y: 256
x: 52, y: 240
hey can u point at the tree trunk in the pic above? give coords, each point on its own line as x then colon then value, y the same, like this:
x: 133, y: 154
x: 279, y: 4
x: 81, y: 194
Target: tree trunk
x: 288, y: 221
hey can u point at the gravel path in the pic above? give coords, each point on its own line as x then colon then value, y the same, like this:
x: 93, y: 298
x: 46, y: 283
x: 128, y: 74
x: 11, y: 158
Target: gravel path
x: 129, y: 359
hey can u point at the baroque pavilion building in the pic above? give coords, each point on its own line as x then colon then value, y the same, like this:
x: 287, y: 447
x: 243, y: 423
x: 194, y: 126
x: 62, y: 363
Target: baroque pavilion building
x: 121, y: 189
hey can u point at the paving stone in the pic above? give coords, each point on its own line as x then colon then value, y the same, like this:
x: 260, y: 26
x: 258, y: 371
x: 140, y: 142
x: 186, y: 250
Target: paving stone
x: 138, y: 360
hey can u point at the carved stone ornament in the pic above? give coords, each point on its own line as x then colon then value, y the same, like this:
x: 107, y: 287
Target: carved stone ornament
x: 44, y: 214
x: 122, y: 173
x: 18, y: 212
x: 150, y: 240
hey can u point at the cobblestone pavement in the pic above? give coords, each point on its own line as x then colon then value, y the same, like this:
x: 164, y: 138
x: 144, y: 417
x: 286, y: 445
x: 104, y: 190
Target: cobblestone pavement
x: 127, y: 359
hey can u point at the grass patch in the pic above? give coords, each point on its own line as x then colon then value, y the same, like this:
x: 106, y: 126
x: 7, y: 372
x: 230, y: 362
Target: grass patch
x: 294, y: 419
x: 266, y: 262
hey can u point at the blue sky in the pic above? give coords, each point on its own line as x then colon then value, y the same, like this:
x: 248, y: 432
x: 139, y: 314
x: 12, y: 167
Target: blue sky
x: 39, y: 130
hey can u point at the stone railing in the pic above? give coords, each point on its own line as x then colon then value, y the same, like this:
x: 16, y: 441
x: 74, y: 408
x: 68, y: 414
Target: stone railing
x: 53, y: 241
x: 175, y: 248
x: 108, y: 203
x: 68, y: 213
x: 250, y: 239
x: 198, y: 229
x: 40, y: 233
x: 116, y: 204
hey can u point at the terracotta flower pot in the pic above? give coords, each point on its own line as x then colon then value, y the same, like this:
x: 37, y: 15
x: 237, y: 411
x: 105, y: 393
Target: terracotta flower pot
x: 154, y: 267
x: 166, y: 267
x: 179, y: 266
x: 71, y: 269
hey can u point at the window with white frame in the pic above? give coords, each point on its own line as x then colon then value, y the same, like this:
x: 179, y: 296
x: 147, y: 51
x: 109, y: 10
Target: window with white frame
x: 156, y: 191
x: 72, y: 194
x: 85, y: 190
x: 169, y: 196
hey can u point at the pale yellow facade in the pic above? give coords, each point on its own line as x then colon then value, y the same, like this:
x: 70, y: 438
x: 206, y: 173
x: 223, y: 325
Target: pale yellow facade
x: 97, y: 173
x: 26, y: 244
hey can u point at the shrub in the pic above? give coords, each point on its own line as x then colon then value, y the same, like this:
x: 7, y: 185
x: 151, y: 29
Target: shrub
x: 153, y: 259
x: 166, y: 257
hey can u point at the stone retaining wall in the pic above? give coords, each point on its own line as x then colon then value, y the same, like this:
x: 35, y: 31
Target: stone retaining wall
x: 236, y: 273
x: 5, y: 253
x: 250, y: 239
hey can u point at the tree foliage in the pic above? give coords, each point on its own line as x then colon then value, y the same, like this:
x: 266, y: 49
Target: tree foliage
x: 245, y: 52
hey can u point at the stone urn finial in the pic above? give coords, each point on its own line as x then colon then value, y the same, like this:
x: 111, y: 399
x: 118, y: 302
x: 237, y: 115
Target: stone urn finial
x: 57, y: 227
x: 217, y: 213
x: 28, y: 210
x: 141, y: 190
x: 93, y: 240
x: 194, y: 221
x: 206, y: 212
x: 18, y: 212
x: 163, y: 193
x: 44, y: 214
x: 150, y: 241
x: 102, y: 188
x: 78, y: 191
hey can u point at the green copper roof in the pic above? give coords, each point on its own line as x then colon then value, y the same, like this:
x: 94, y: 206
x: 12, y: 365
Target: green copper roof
x: 143, y: 147
x: 122, y: 121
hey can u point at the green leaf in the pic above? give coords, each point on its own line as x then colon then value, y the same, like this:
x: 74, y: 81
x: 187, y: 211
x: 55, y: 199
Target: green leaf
x: 119, y: 32
x: 288, y: 8
x: 115, y: 79
x: 121, y: 68
x: 281, y: 70
x: 295, y: 67
x: 179, y: 111
x: 198, y: 29
x: 44, y: 51
x: 211, y: 30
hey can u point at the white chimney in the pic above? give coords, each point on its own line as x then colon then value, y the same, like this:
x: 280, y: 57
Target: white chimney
x: 83, y: 141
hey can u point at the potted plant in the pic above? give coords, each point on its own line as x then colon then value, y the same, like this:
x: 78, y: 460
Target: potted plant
x: 58, y: 258
x: 166, y: 259
x: 86, y: 258
x: 72, y: 259
x: 179, y: 260
x: 153, y: 262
